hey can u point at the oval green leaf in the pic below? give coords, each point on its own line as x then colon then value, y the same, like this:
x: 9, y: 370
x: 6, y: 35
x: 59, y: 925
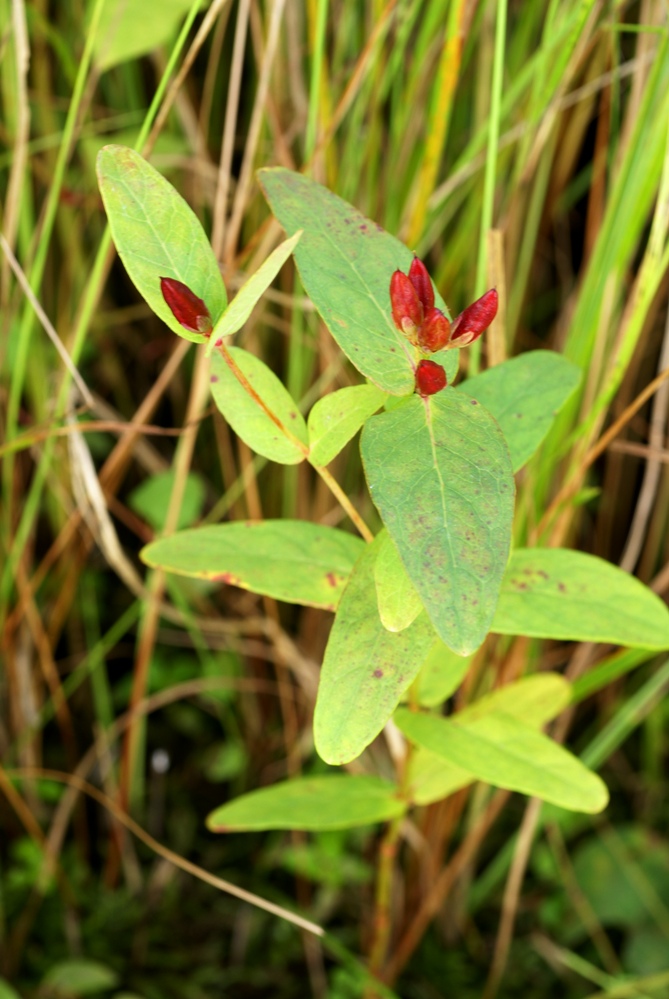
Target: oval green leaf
x: 131, y: 28
x: 251, y: 292
x: 569, y: 595
x: 501, y: 751
x: 79, y: 977
x: 289, y: 560
x: 440, y: 475
x: 525, y: 394
x: 333, y: 801
x: 248, y: 419
x: 440, y: 675
x: 399, y: 604
x: 365, y: 669
x: 345, y: 263
x: 337, y: 417
x: 157, y: 235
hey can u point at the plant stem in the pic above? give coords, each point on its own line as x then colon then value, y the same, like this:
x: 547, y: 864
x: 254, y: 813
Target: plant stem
x: 382, y: 902
x: 326, y: 476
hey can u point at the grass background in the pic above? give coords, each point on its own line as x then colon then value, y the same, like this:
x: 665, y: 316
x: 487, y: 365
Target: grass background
x: 523, y: 147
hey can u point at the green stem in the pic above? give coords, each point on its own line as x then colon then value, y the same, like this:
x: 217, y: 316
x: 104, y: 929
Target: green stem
x: 490, y: 168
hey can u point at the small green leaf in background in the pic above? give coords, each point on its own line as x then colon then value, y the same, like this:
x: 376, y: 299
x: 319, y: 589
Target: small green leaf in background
x: 439, y: 472
x: 337, y: 417
x: 291, y: 560
x: 569, y: 595
x: 251, y: 292
x: 151, y: 499
x: 501, y: 751
x: 345, y: 263
x: 79, y: 977
x: 6, y: 991
x: 365, y: 669
x: 333, y: 801
x: 524, y: 395
x: 440, y: 675
x: 248, y: 420
x: 399, y: 604
x: 131, y: 28
x: 157, y: 235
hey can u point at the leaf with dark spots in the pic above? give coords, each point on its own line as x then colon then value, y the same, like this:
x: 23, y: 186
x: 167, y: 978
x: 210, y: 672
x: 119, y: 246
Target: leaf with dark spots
x: 423, y: 475
x: 365, y: 669
x: 338, y: 240
x: 290, y: 560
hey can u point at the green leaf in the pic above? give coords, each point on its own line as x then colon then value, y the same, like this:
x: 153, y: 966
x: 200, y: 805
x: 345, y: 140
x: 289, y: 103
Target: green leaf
x: 399, y: 604
x: 6, y: 991
x: 532, y: 700
x: 501, y: 751
x: 432, y: 778
x: 79, y: 977
x: 440, y: 675
x: 333, y: 801
x: 366, y: 668
x: 157, y: 235
x: 525, y: 395
x: 248, y: 419
x: 131, y: 28
x: 440, y: 474
x: 345, y: 263
x: 151, y: 499
x: 250, y: 293
x: 291, y: 560
x: 337, y: 417
x: 568, y: 595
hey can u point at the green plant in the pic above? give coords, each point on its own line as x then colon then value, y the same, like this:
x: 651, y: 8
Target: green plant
x: 416, y: 602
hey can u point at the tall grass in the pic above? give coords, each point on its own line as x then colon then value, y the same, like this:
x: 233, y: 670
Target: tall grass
x: 525, y: 147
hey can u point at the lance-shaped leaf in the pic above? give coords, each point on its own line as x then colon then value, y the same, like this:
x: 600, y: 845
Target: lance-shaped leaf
x: 533, y: 701
x: 289, y: 560
x: 365, y: 670
x: 157, y: 235
x: 439, y: 472
x: 569, y: 595
x: 333, y: 801
x: 247, y: 417
x: 525, y: 395
x: 398, y: 601
x: 337, y: 417
x: 251, y: 292
x: 499, y: 750
x: 346, y: 262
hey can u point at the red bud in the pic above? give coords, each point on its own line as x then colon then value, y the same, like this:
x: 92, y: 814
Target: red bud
x: 435, y: 332
x: 187, y: 308
x: 407, y: 310
x: 420, y: 279
x: 476, y: 318
x: 430, y: 378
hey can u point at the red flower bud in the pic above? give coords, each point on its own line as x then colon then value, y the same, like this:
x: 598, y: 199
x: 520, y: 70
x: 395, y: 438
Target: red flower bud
x: 187, y: 308
x: 420, y: 279
x: 430, y: 378
x: 435, y: 331
x: 476, y: 318
x: 406, y: 306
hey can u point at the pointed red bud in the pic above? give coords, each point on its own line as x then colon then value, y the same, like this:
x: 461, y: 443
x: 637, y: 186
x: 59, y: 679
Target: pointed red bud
x: 407, y: 310
x: 435, y: 332
x: 420, y: 279
x: 187, y: 308
x: 430, y: 378
x: 476, y: 318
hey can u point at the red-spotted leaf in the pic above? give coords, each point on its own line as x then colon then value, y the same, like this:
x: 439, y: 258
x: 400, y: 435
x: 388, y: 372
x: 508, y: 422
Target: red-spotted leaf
x: 439, y: 472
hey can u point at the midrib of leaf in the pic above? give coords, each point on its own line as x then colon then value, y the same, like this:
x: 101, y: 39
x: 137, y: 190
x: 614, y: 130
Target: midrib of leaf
x: 442, y: 493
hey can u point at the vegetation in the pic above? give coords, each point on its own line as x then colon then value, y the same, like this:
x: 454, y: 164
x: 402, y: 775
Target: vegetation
x: 343, y: 854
